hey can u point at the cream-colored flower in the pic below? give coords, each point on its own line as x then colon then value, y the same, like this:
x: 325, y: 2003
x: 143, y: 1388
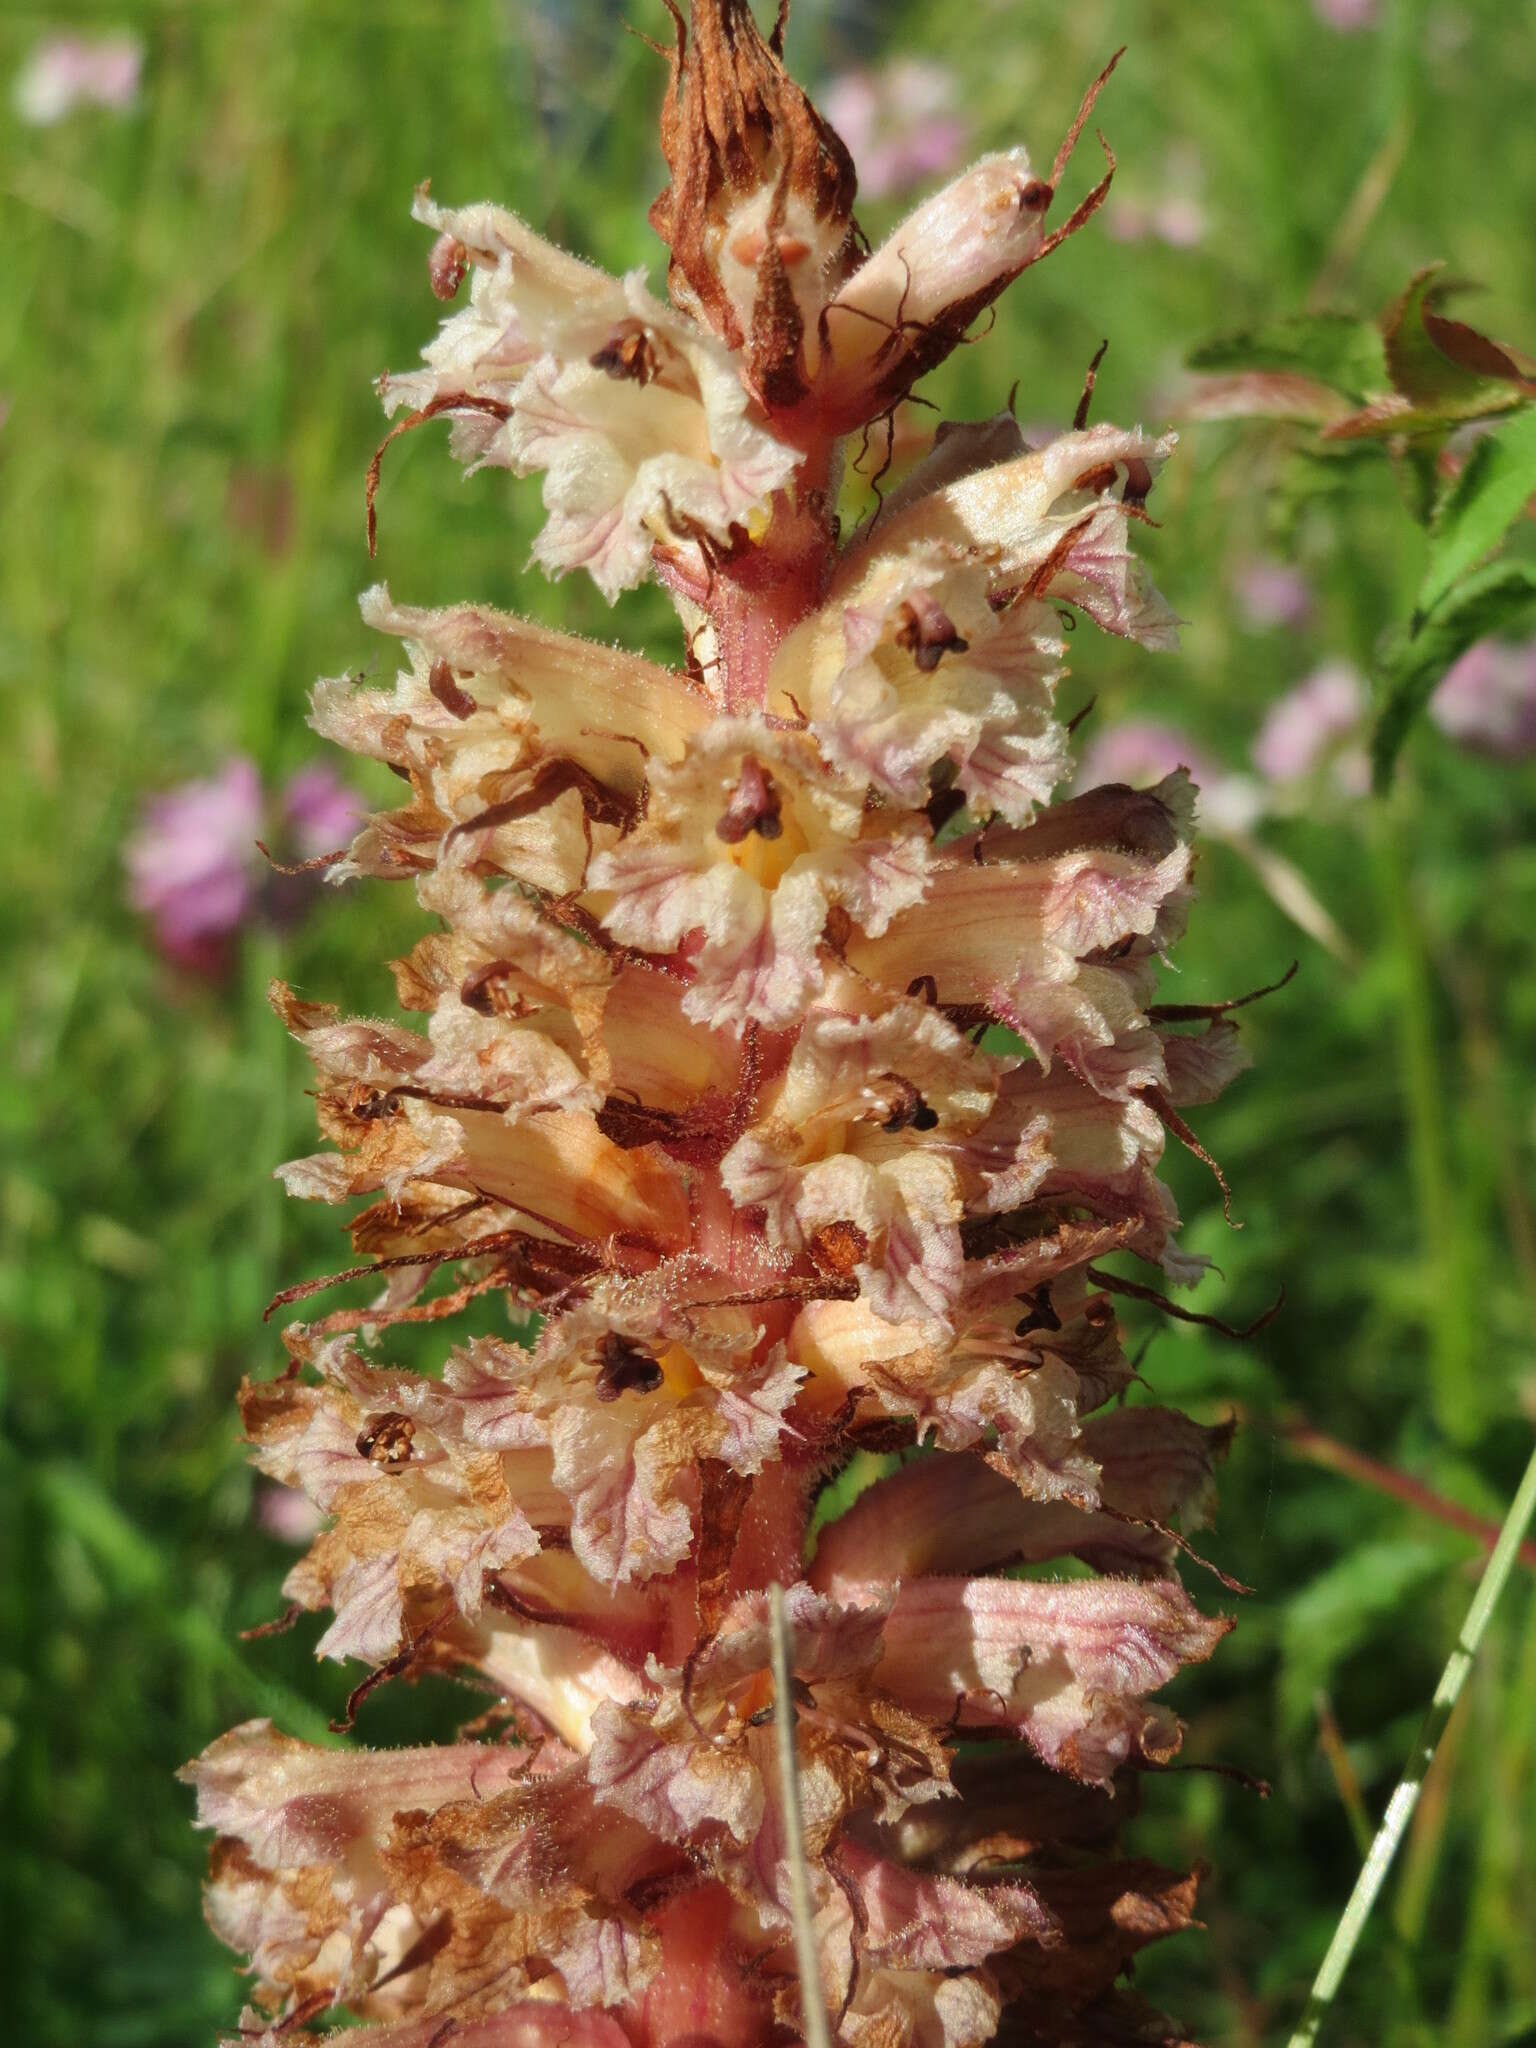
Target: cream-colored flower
x: 634, y: 415
x: 745, y: 849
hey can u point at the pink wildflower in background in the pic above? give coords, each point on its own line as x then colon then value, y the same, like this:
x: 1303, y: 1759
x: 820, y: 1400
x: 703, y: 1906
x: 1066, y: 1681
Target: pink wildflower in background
x: 1271, y: 594
x: 899, y: 122
x: 1142, y: 752
x: 69, y: 71
x: 1347, y: 16
x: 287, y: 1513
x: 321, y: 812
x: 194, y: 866
x: 1320, y: 722
x: 1488, y: 700
x: 190, y: 864
x: 1173, y: 214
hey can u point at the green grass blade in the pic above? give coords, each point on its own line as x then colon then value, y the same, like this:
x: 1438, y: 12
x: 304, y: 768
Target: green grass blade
x: 1373, y: 1873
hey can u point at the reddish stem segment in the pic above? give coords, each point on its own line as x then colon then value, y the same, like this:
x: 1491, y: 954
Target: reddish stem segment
x: 1327, y: 1451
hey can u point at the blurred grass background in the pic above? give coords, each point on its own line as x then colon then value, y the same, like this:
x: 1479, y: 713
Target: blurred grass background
x: 196, y: 294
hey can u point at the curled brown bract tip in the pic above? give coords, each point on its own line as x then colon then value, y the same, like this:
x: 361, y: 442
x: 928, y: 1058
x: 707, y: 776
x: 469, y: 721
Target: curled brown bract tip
x: 1113, y: 1283
x: 1080, y: 120
x: 458, y: 401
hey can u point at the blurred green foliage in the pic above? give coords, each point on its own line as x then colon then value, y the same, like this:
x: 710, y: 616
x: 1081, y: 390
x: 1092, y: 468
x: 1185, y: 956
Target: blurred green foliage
x: 196, y: 294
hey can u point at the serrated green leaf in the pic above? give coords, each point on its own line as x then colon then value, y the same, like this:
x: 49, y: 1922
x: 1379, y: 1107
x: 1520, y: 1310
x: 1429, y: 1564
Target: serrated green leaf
x: 1498, y: 599
x: 1443, y: 367
x: 1390, y: 420
x: 1480, y: 507
x: 1338, y: 350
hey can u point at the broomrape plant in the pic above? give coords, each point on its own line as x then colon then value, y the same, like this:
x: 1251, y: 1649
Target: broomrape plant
x: 791, y: 1058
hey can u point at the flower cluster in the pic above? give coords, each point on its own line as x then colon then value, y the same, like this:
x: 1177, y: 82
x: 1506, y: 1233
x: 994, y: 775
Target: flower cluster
x: 790, y: 1060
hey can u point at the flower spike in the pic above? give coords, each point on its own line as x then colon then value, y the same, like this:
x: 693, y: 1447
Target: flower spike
x: 784, y: 1053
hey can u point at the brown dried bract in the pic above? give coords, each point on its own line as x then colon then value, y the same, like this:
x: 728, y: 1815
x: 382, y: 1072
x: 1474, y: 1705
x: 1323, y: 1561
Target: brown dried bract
x: 736, y: 129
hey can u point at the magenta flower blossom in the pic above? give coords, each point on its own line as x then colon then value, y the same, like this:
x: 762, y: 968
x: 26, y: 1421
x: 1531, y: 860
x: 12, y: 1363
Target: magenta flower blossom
x: 66, y: 71
x: 1488, y: 699
x: 194, y: 866
x: 1311, y: 724
x: 191, y: 864
x: 1271, y: 594
x: 900, y: 124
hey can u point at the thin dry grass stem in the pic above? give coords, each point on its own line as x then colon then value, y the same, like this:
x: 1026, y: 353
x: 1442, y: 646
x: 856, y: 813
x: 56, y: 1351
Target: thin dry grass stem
x: 1365, y: 203
x: 802, y: 1912
x: 1330, y: 1740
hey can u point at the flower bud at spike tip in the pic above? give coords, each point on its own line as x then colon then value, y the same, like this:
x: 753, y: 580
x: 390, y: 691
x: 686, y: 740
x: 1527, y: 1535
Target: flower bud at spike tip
x: 785, y: 1058
x: 759, y: 213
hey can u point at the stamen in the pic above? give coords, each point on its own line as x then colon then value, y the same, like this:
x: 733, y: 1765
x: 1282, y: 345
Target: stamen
x: 927, y: 632
x: 755, y: 806
x: 625, y: 1368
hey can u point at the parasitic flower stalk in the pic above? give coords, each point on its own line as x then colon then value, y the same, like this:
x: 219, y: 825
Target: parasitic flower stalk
x: 790, y: 1058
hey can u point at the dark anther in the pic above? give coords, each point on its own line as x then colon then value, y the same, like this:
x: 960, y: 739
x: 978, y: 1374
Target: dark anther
x: 943, y: 805
x: 927, y: 632
x: 624, y: 1368
x: 837, y: 930
x: 909, y: 1111
x: 447, y: 692
x: 1036, y: 196
x: 1138, y: 480
x: 446, y: 266
x: 475, y: 988
x: 754, y: 806
x: 629, y: 356
x: 385, y: 1441
x: 1041, y: 1315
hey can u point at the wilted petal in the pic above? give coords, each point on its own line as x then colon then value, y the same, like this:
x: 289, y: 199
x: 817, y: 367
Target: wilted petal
x: 675, y: 1782
x: 1066, y: 1665
x: 936, y: 1923
x: 909, y: 304
x: 1054, y: 521
x: 290, y: 1803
